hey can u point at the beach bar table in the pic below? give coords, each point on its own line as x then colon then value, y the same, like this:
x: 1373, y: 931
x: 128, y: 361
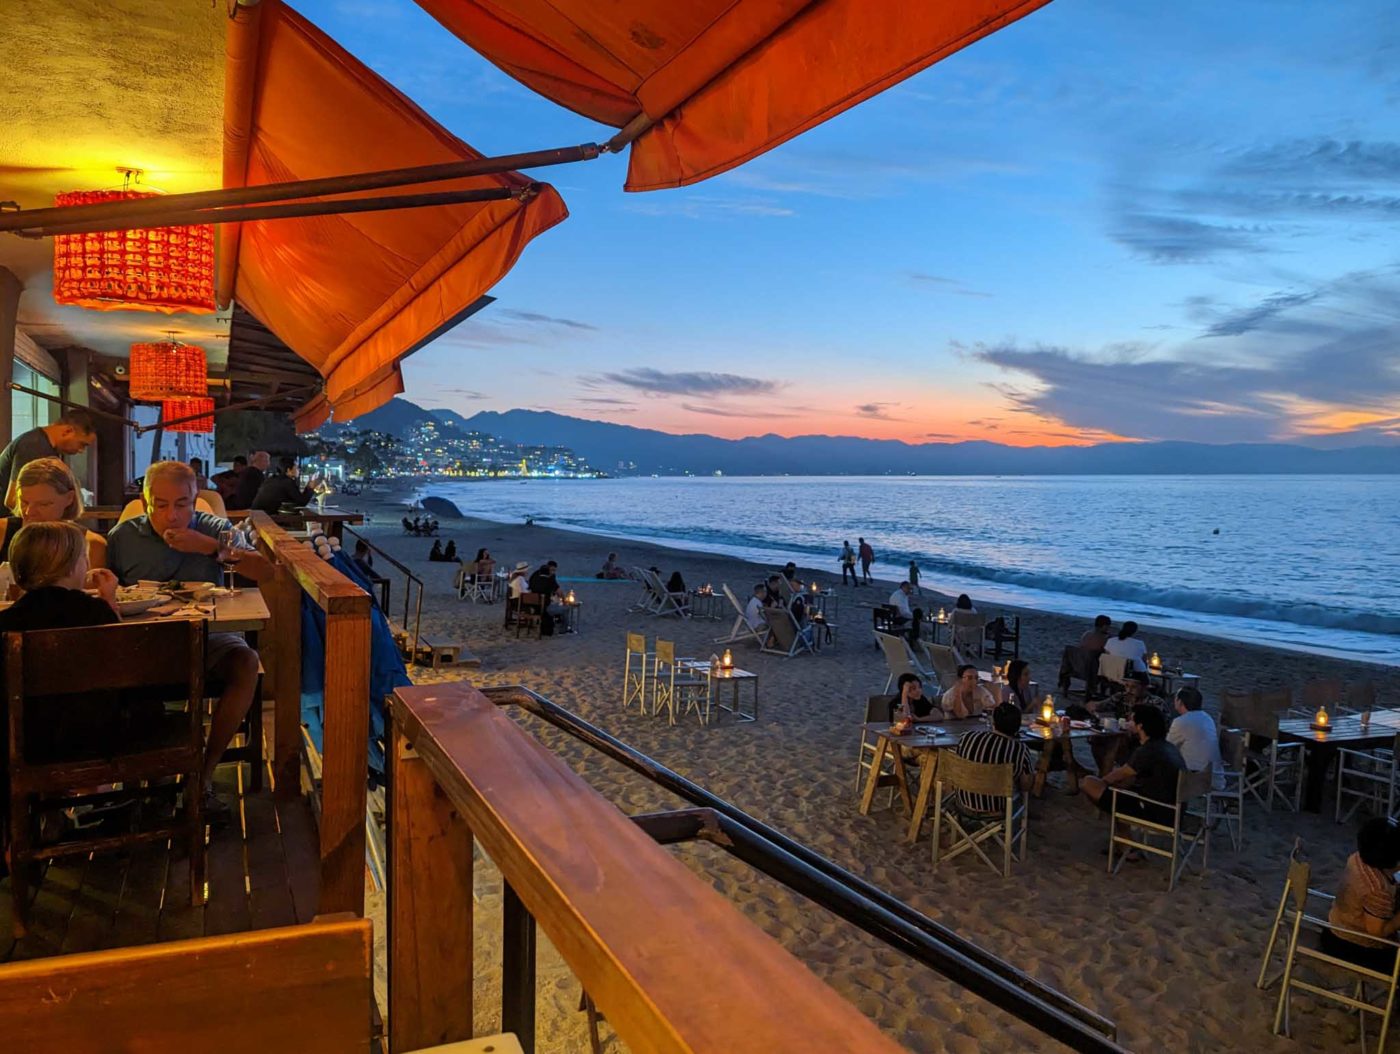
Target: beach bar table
x: 1321, y: 747
x: 706, y: 605
x: 569, y: 612
x: 735, y: 678
x: 333, y: 520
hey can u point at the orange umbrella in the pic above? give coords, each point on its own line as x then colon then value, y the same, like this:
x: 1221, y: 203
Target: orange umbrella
x: 353, y: 294
x: 700, y: 86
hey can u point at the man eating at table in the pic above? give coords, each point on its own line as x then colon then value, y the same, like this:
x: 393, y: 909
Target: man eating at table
x: 174, y: 541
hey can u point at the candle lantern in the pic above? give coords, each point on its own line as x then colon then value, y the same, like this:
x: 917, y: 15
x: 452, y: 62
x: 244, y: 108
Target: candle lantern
x: 1321, y: 721
x: 727, y: 662
x: 942, y: 615
x: 571, y: 598
x: 1155, y: 662
x: 1047, y: 710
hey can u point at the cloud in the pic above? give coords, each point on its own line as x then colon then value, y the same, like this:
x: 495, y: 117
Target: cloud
x: 604, y: 401
x: 1235, y: 323
x: 855, y: 176
x: 1179, y: 239
x: 708, y: 206
x: 548, y: 320
x: 465, y: 393
x: 949, y: 285
x: 659, y: 382
x: 721, y: 411
x: 876, y: 411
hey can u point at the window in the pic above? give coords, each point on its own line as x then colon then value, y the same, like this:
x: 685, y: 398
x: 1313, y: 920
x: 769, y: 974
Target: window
x: 30, y: 411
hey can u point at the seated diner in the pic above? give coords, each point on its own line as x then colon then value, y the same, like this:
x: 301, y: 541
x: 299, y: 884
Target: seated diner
x: 47, y: 492
x: 966, y: 698
x: 172, y: 541
x: 1365, y: 911
x: 999, y: 745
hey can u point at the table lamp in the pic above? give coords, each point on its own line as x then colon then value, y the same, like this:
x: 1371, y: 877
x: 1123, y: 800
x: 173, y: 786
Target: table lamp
x: 727, y: 662
x: 1321, y: 721
x: 1155, y: 662
x: 1047, y: 709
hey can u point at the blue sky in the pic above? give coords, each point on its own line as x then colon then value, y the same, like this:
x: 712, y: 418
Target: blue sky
x: 1115, y: 218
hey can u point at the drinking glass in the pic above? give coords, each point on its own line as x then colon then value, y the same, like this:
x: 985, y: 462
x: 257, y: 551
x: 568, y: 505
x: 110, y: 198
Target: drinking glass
x: 228, y: 543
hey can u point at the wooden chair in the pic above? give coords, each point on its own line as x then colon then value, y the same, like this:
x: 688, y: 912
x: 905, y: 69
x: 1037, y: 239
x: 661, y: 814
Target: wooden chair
x: 478, y: 585
x: 289, y: 990
x: 1002, y: 631
x: 84, y: 671
x: 634, y: 685
x: 1360, y: 696
x: 882, y: 618
x: 971, y: 830
x: 250, y: 732
x: 671, y: 685
x: 1353, y: 996
x: 1079, y: 664
x: 877, y: 708
x: 1190, y: 786
x: 1320, y: 693
x: 529, y: 614
x: 1227, y: 803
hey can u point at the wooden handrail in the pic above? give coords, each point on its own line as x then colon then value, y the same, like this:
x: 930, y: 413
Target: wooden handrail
x: 345, y: 747
x: 674, y: 966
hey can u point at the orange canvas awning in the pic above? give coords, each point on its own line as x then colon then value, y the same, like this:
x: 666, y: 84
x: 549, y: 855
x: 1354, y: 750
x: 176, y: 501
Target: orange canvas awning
x: 714, y: 83
x: 353, y: 294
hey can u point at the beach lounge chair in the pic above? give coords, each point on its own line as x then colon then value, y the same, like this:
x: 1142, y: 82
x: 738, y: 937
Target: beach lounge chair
x: 741, y: 630
x: 971, y: 830
x: 634, y: 682
x: 1354, y: 978
x: 899, y: 659
x: 1367, y: 777
x: 969, y: 631
x: 1190, y: 787
x: 664, y: 602
x: 943, y: 661
x: 647, y: 600
x: 785, y: 636
x: 673, y: 684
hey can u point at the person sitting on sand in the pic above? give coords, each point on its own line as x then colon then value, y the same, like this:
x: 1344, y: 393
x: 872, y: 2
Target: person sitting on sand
x: 966, y: 698
x: 754, y: 610
x: 999, y: 745
x: 449, y: 552
x: 1366, y: 901
x: 1150, y: 772
x: 1193, y: 733
x: 904, y: 614
x: 1096, y: 639
x: 611, y: 568
x: 1128, y: 645
x: 435, y: 553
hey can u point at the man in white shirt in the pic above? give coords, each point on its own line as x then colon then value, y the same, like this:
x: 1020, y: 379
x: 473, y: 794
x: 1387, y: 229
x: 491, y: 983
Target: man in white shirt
x: 899, y: 600
x: 753, y: 612
x: 1194, y: 734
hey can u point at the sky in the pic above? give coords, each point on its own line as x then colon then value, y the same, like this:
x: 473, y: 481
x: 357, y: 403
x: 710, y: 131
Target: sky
x: 1112, y: 220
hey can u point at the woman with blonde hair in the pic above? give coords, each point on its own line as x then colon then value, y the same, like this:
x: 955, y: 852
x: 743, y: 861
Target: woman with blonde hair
x: 50, y: 565
x: 48, y: 492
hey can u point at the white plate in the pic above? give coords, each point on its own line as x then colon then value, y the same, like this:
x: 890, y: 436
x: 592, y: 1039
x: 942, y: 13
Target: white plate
x: 140, y: 604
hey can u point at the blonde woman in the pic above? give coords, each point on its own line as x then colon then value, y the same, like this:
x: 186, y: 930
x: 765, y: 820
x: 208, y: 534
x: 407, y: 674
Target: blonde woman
x: 49, y: 561
x: 48, y: 492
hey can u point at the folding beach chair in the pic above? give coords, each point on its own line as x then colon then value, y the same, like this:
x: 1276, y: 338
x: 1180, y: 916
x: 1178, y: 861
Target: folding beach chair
x: 741, y: 630
x: 970, y: 830
x: 634, y: 682
x: 1189, y: 787
x: 1273, y: 770
x: 785, y: 636
x: 877, y: 708
x: 1354, y: 978
x: 899, y: 659
x: 1369, y: 778
x: 1227, y: 804
x: 943, y: 661
x: 479, y: 587
x: 672, y: 683
x: 969, y: 631
x: 665, y: 602
x: 648, y: 600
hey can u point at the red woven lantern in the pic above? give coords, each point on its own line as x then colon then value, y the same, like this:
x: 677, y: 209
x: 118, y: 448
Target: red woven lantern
x: 165, y: 269
x: 174, y: 409
x: 168, y: 370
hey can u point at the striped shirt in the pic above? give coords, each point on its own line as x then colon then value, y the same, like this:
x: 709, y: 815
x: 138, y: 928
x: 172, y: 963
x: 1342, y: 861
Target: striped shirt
x: 987, y: 747
x: 1365, y: 890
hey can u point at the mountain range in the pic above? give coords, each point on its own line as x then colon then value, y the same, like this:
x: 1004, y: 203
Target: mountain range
x: 623, y: 449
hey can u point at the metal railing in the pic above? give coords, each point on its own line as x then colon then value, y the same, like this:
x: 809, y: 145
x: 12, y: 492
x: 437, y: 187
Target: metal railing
x: 846, y: 895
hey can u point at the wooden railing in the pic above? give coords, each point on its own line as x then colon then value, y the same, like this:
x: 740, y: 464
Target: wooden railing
x: 672, y: 964
x: 345, y: 752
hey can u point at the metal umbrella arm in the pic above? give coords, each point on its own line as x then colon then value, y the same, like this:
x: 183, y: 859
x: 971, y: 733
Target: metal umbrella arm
x: 246, y: 404
x: 68, y: 403
x: 152, y: 212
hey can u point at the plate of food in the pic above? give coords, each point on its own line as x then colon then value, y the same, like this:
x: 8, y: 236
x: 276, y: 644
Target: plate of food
x: 194, y: 592
x: 133, y: 600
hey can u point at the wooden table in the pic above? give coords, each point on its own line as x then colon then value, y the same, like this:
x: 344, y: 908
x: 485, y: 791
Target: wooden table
x: 734, y: 677
x: 244, y: 611
x: 928, y: 738
x: 1321, y: 747
x: 333, y: 519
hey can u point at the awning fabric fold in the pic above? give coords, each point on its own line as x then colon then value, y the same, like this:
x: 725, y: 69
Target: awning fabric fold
x: 354, y: 294
x: 721, y: 81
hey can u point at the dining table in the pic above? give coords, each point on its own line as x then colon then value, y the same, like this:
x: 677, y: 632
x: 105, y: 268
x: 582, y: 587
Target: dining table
x: 1350, y: 730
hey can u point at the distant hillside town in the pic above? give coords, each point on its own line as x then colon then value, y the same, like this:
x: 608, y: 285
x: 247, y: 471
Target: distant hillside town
x: 421, y: 444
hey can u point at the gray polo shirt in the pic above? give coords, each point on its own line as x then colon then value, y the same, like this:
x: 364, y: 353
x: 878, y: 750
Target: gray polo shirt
x: 136, y: 552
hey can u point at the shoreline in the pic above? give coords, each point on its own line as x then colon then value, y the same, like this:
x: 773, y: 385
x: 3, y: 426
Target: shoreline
x: 1155, y: 621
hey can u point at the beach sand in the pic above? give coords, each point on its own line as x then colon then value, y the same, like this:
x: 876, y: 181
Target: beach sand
x: 1175, y: 970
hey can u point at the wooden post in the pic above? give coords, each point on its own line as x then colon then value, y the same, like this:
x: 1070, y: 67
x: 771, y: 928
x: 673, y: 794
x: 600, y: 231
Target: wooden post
x: 10, y: 289
x: 344, y: 757
x: 282, y: 649
x: 430, y: 908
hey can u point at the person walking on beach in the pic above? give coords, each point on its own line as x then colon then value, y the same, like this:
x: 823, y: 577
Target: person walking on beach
x: 914, y: 577
x: 867, y: 557
x: 848, y: 563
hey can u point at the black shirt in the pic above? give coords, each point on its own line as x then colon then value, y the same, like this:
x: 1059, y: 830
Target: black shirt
x: 22, y: 450
x: 12, y: 526
x: 54, y: 607
x: 543, y: 582
x: 248, y: 485
x: 276, y: 491
x: 1156, y: 764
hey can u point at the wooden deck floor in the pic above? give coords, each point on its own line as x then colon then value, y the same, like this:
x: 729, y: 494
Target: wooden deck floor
x: 262, y: 871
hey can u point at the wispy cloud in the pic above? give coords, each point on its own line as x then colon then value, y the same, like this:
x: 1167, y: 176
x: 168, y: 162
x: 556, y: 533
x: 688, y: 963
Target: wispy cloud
x: 464, y: 393
x: 1182, y: 240
x: 660, y: 382
x: 603, y: 401
x: 547, y: 320
x: 943, y: 284
x: 1246, y: 320
x: 724, y: 411
x: 709, y: 207
x: 877, y: 411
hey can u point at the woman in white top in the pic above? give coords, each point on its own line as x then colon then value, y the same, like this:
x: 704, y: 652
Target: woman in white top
x: 1129, y: 646
x: 966, y: 698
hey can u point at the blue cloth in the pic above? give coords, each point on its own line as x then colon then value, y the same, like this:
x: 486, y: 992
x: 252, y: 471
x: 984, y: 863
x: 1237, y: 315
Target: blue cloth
x: 386, y: 668
x: 135, y: 552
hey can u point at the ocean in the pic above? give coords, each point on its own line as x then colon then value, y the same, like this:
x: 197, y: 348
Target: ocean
x: 1310, y: 563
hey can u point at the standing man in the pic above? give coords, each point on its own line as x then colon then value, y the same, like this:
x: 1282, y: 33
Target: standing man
x: 867, y: 557
x: 175, y: 541
x: 250, y: 481
x: 848, y: 563
x: 73, y: 432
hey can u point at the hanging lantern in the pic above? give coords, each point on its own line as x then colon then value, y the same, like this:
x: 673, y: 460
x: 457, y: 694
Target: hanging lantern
x: 168, y: 370
x: 166, y: 269
x: 174, y: 409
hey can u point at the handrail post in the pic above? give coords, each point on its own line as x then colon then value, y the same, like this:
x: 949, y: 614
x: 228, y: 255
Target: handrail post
x: 517, y: 969
x: 344, y: 759
x: 430, y: 906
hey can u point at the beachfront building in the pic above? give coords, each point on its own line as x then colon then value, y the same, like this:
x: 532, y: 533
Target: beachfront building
x: 318, y: 280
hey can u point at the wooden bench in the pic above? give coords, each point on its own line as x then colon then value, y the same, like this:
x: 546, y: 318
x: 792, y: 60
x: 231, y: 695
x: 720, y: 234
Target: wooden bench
x: 291, y: 990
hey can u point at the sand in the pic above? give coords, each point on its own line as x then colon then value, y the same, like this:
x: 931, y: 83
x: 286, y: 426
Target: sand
x: 1174, y: 970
